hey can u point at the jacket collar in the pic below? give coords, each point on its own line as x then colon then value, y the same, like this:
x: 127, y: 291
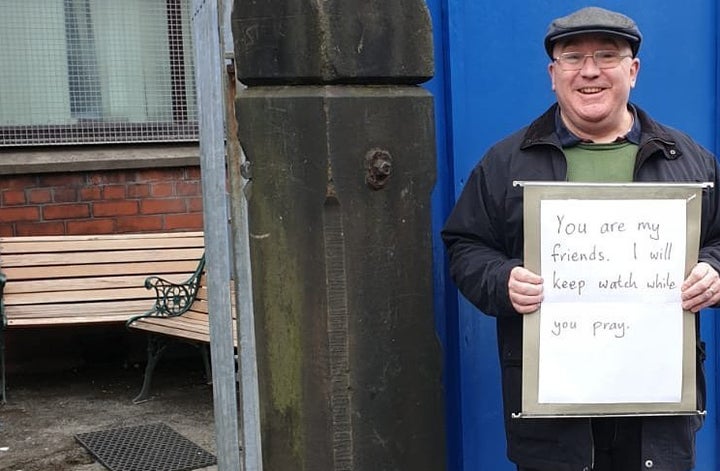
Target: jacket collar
x: 569, y: 139
x: 543, y: 131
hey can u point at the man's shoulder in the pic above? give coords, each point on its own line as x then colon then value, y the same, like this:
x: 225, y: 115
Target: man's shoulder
x: 540, y: 130
x: 674, y: 141
x: 512, y: 140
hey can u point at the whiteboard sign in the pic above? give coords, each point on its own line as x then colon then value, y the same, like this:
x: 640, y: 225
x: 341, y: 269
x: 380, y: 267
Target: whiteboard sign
x: 611, y: 337
x: 611, y: 325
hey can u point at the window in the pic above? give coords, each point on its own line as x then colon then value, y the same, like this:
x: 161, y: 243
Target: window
x: 96, y: 71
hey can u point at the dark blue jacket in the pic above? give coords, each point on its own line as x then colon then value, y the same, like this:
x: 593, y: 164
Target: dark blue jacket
x: 484, y: 240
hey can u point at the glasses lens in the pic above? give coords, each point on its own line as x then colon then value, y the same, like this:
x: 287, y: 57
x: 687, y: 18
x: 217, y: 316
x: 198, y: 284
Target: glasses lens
x: 607, y: 59
x: 571, y: 60
x: 603, y: 59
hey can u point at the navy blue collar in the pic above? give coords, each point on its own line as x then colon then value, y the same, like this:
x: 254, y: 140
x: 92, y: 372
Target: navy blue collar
x: 568, y: 139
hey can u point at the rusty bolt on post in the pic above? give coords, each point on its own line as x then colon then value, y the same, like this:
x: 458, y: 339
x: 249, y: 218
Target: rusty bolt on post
x: 379, y: 168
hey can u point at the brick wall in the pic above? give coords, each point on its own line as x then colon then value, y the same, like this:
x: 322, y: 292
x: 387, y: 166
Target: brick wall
x: 102, y: 202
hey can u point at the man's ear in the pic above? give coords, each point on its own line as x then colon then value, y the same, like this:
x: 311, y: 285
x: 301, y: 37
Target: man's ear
x: 634, y: 70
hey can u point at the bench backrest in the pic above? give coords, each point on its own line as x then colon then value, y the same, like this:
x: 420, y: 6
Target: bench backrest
x: 90, y: 279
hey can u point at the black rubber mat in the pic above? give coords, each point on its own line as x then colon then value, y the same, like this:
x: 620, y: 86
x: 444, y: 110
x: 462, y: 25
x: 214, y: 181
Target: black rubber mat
x: 151, y: 447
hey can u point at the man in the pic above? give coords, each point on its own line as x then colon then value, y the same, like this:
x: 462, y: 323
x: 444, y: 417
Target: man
x: 592, y: 133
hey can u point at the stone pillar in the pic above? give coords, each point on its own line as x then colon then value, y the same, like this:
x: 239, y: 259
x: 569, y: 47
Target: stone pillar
x: 341, y: 141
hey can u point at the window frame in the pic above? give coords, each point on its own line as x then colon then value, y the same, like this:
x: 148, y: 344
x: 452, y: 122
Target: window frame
x: 181, y: 128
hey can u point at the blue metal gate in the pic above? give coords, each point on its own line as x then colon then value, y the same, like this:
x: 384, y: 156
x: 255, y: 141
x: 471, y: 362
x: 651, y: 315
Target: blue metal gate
x: 491, y: 79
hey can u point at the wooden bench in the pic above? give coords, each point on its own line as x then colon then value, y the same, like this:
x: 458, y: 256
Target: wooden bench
x: 180, y: 313
x: 61, y: 280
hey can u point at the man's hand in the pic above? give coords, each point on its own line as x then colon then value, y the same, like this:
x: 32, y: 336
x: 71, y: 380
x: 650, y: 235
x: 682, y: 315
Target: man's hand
x: 526, y: 290
x: 701, y: 288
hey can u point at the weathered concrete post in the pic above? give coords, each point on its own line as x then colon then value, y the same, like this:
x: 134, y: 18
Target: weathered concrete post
x: 341, y: 141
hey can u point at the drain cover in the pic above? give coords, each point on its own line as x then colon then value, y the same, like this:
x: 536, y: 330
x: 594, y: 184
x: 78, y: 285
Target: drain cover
x: 151, y: 447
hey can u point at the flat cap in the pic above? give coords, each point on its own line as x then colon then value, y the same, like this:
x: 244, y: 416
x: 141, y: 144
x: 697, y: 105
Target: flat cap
x: 593, y: 20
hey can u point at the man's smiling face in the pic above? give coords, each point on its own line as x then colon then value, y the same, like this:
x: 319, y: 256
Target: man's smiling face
x: 592, y: 99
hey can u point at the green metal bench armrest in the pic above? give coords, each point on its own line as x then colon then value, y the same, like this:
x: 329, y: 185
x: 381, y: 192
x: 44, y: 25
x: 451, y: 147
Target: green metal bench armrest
x: 172, y: 299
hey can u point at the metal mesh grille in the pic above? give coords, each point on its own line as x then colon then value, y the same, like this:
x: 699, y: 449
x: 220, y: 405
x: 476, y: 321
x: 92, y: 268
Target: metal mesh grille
x: 96, y: 71
x: 152, y: 447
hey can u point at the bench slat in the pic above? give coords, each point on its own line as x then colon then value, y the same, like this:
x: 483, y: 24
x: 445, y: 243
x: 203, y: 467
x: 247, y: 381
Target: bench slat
x: 118, y: 317
x: 64, y: 314
x: 177, y: 327
x: 78, y: 296
x: 195, y: 316
x: 103, y: 269
x: 64, y: 243
x: 190, y: 318
x: 180, y: 323
x: 76, y: 284
x: 78, y: 258
x: 168, y: 329
x: 130, y: 235
x: 132, y: 307
x: 83, y: 246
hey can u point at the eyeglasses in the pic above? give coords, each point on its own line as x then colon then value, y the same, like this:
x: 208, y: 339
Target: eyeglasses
x: 603, y: 59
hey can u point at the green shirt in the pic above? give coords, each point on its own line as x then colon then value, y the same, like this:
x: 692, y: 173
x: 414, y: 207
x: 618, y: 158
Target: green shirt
x: 601, y: 163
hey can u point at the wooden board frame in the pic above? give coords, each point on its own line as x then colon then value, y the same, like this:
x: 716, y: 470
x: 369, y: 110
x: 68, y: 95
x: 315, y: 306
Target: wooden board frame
x: 534, y: 193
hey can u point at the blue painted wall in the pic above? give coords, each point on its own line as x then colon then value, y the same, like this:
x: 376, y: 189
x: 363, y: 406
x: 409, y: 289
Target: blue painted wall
x: 491, y: 79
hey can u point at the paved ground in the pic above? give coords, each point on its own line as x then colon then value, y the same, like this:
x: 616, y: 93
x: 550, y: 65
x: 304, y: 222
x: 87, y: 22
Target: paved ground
x: 44, y: 412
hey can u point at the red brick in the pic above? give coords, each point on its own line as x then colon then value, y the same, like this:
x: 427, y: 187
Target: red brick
x: 114, y: 192
x: 92, y: 193
x: 165, y: 174
x: 25, y: 213
x: 66, y: 211
x: 139, y: 224
x: 18, y: 182
x: 192, y: 173
x: 40, y: 228
x: 161, y: 190
x: 162, y: 206
x: 184, y: 221
x: 6, y: 230
x: 195, y: 205
x: 188, y: 188
x: 107, y: 177
x: 138, y: 190
x: 39, y: 195
x: 114, y: 208
x: 13, y: 197
x: 65, y: 195
x: 91, y: 226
